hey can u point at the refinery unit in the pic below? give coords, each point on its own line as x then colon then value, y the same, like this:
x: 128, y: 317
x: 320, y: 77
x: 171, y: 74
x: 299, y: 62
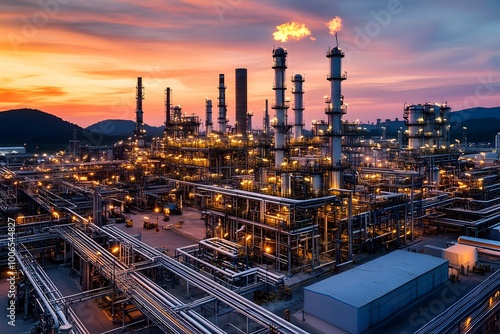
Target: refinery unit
x: 271, y: 198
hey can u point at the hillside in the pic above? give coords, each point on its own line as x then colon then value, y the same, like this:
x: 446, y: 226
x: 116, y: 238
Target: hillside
x: 39, y: 131
x: 478, y: 130
x: 475, y: 113
x: 125, y: 128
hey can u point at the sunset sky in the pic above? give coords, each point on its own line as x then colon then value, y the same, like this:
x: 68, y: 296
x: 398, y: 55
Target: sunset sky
x: 80, y: 60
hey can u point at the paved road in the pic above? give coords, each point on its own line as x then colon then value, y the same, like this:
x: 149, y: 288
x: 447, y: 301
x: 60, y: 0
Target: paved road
x: 192, y: 230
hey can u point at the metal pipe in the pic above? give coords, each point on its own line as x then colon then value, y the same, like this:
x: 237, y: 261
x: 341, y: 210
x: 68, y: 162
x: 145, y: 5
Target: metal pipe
x: 40, y: 293
x: 229, y: 297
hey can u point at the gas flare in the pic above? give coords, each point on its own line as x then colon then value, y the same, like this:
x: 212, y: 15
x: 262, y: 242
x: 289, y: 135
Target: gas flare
x: 292, y: 30
x: 335, y: 25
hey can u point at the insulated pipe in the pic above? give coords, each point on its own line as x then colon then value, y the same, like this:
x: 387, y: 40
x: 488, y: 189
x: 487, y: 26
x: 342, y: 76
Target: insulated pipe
x: 40, y: 293
x: 258, y: 314
x: 55, y: 294
x: 90, y: 249
x: 222, y: 105
x: 164, y: 298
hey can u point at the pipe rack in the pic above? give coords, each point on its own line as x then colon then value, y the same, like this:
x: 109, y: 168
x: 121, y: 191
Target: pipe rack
x: 51, y: 297
x: 242, y: 305
x: 466, y: 315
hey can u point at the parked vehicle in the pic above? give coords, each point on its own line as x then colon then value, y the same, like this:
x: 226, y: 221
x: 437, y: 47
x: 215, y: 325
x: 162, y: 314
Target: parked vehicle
x: 148, y: 225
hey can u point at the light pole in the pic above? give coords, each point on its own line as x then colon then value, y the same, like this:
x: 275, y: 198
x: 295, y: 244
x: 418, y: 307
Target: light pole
x: 247, y: 238
x: 267, y: 250
x: 115, y: 250
x: 157, y: 210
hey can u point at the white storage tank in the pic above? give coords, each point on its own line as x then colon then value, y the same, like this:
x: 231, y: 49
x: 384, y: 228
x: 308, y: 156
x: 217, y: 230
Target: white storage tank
x: 460, y: 255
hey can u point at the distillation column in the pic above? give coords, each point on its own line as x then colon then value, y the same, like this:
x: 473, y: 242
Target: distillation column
x: 208, y: 123
x: 335, y: 110
x: 298, y: 106
x: 222, y: 105
x: 139, y: 131
x: 280, y: 105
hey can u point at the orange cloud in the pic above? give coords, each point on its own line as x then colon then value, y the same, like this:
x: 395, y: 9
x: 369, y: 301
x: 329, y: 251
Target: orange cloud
x: 35, y: 93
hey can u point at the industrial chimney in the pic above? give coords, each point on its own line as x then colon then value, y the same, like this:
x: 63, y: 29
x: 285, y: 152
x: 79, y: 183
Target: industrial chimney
x: 208, y: 122
x: 222, y: 105
x: 334, y: 110
x: 168, y: 106
x: 139, y: 131
x: 241, y: 101
x: 266, y: 118
x: 298, y: 106
x: 280, y: 105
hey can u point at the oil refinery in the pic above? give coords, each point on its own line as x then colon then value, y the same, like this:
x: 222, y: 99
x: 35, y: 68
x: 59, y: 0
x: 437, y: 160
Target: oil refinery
x: 275, y: 207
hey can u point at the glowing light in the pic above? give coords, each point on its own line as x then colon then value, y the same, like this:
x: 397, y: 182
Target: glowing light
x: 335, y: 25
x: 292, y: 30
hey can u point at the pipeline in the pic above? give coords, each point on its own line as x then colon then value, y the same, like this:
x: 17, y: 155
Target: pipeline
x: 231, y: 298
x: 40, y: 293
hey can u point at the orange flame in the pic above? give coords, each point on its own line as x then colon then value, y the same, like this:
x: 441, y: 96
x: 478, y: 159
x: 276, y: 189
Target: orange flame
x: 291, y: 30
x: 334, y: 25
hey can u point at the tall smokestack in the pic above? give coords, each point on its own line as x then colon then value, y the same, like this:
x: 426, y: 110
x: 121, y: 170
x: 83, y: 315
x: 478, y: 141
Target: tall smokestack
x: 241, y: 100
x: 335, y: 110
x: 208, y: 123
x: 280, y: 105
x: 266, y: 118
x: 222, y: 105
x: 139, y: 131
x: 168, y: 105
x: 298, y: 106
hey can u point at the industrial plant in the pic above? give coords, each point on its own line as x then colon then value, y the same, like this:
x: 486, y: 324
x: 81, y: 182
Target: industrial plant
x: 274, y: 203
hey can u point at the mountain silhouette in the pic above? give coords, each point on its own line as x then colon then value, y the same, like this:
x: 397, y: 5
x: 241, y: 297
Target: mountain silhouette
x: 40, y: 132
x: 121, y: 127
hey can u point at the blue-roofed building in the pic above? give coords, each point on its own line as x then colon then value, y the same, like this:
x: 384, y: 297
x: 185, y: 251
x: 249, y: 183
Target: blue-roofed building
x: 364, y: 296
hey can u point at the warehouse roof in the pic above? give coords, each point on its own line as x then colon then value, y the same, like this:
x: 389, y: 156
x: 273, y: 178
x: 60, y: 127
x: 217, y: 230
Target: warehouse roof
x: 372, y: 280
